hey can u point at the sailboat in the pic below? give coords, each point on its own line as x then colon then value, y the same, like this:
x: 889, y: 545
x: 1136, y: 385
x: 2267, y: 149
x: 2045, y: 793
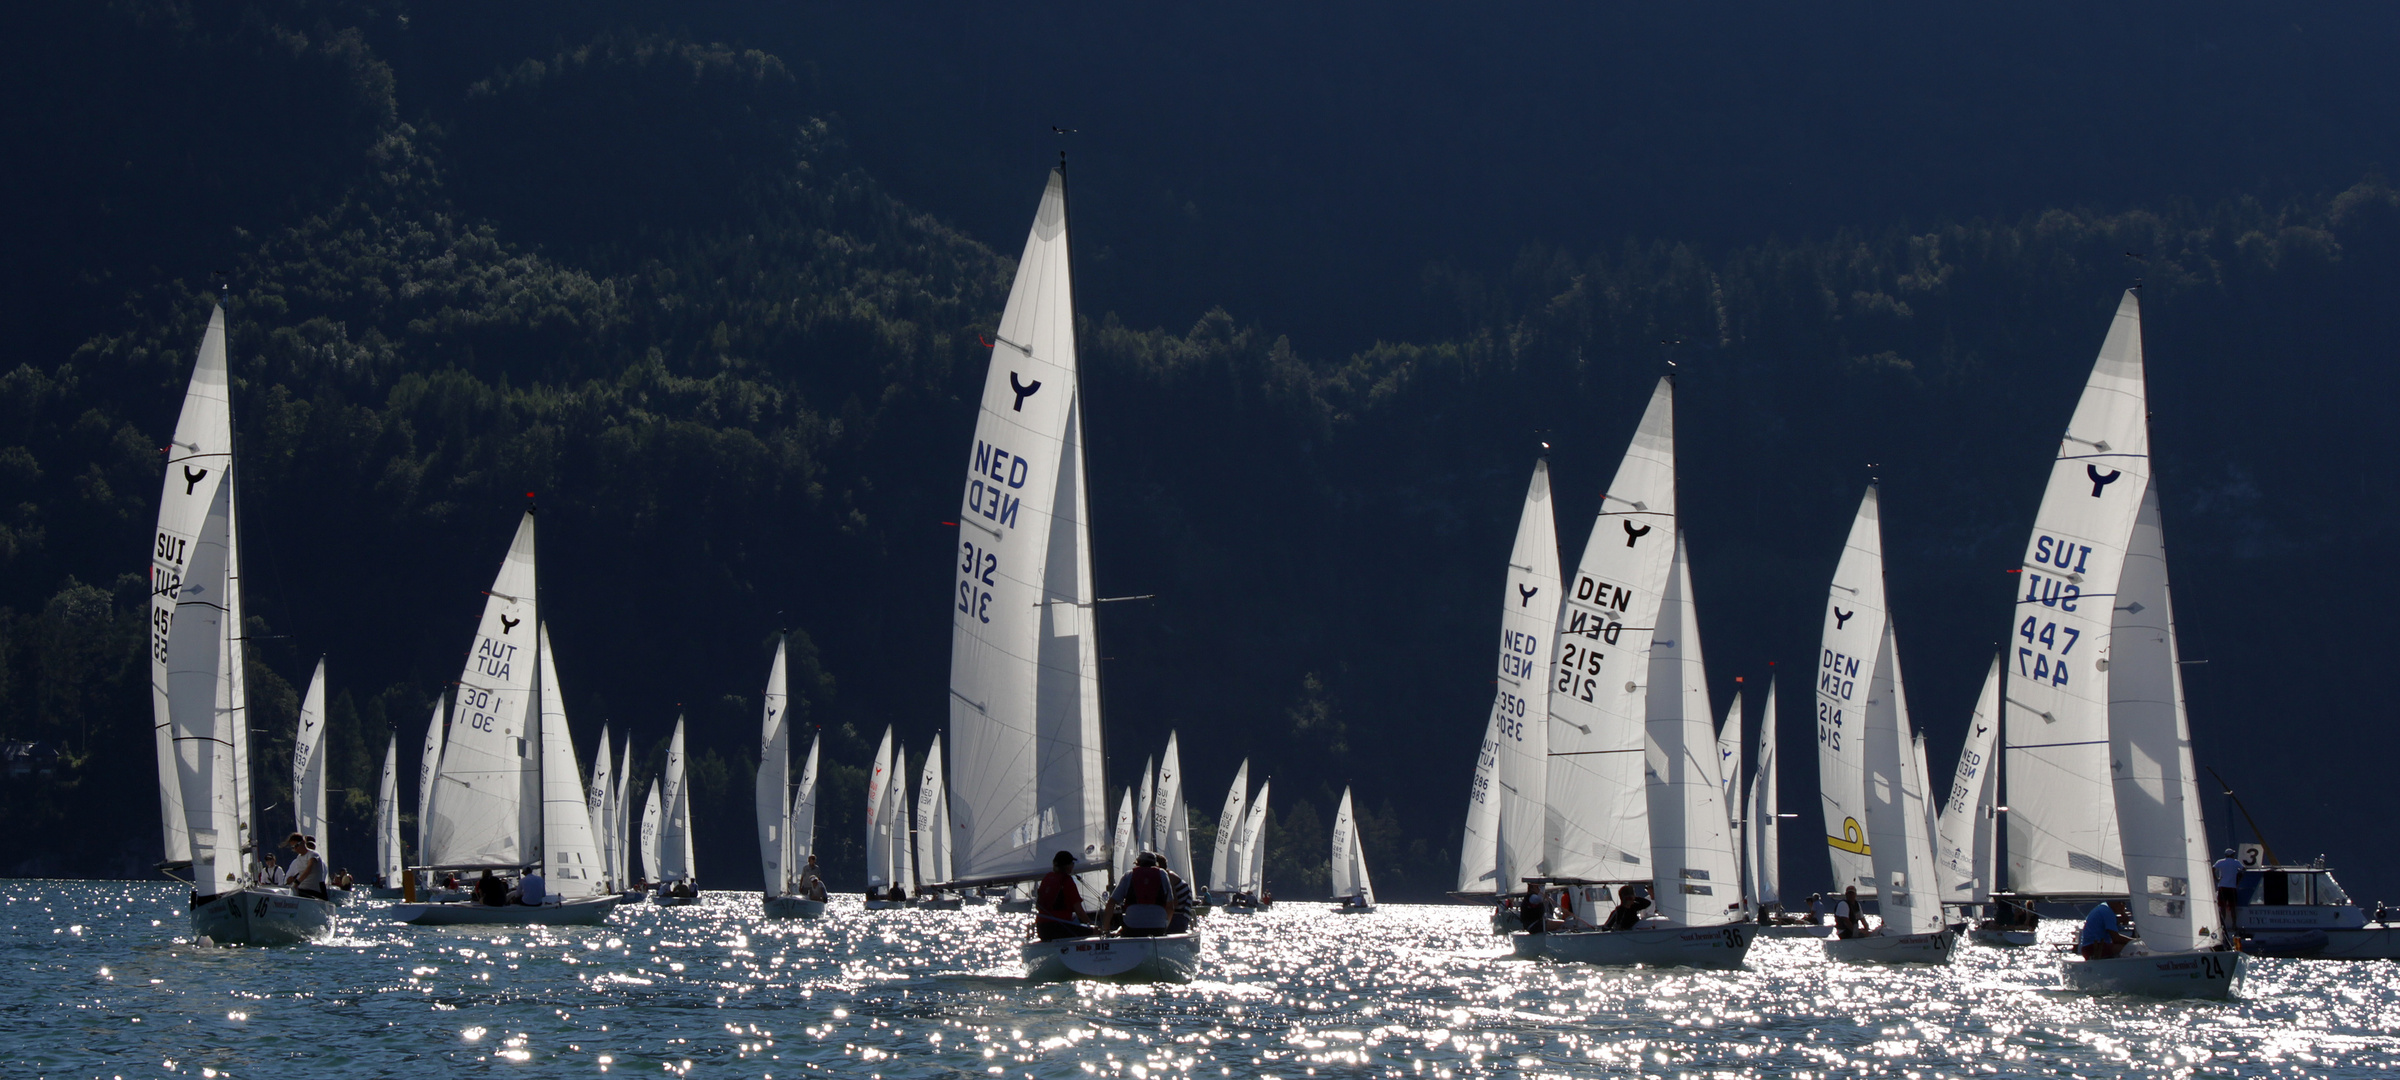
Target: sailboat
x: 429, y: 766
x: 1698, y: 919
x: 1729, y: 773
x: 1879, y: 827
x: 1028, y: 778
x: 1502, y: 843
x: 621, y: 825
x: 308, y: 782
x: 881, y: 808
x: 1353, y: 893
x: 1250, y: 857
x: 1763, y: 838
x: 1225, y: 863
x: 783, y: 850
x: 1969, y: 823
x: 508, y: 797
x: 198, y: 700
x: 678, y: 882
x: 388, y: 857
x: 1171, y: 820
x: 651, y: 826
x: 931, y: 853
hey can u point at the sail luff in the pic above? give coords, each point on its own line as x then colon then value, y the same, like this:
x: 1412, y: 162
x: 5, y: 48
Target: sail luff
x: 1846, y: 671
x: 198, y: 456
x: 1597, y: 824
x: 771, y: 788
x: 2150, y: 737
x: 479, y: 816
x: 1519, y: 726
x: 308, y: 766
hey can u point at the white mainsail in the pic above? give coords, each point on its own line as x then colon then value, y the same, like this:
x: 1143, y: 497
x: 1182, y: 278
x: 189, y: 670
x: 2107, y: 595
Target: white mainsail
x: 1967, y: 818
x: 2062, y: 820
x: 675, y: 829
x: 602, y: 814
x: 1348, y: 863
x: 1254, y: 843
x: 1024, y: 667
x: 1226, y: 865
x: 1853, y: 640
x: 650, y: 826
x: 772, y: 789
x: 932, y: 841
x: 2150, y: 737
x: 234, y: 695
x: 902, y: 837
x: 802, y: 824
x: 879, y: 828
x: 1764, y: 835
x: 1699, y: 879
x: 1121, y: 844
x: 1171, y: 822
x: 198, y: 690
x: 1729, y: 759
x: 429, y: 768
x: 1510, y: 798
x: 198, y: 458
x: 1907, y: 888
x: 1145, y: 807
x: 1597, y: 826
x: 387, y: 819
x: 624, y: 811
x: 481, y: 816
x: 570, y: 855
x: 308, y: 767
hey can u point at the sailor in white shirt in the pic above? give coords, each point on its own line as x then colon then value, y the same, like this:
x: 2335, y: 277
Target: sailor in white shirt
x: 2229, y: 894
x: 306, y: 874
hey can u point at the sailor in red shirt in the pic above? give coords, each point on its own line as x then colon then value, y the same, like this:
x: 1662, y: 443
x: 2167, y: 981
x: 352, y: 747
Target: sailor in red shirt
x: 1058, y: 904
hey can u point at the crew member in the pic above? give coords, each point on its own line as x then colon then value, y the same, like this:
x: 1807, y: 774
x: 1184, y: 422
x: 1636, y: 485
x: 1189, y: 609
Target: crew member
x: 1144, y: 901
x: 1057, y: 903
x: 2103, y: 932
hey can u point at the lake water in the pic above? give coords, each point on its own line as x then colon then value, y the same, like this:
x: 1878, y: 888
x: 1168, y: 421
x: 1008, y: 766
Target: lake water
x: 101, y: 982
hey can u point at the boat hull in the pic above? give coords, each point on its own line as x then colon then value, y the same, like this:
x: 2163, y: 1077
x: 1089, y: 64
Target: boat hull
x: 378, y: 892
x: 1933, y: 948
x: 1353, y: 909
x: 1666, y: 946
x: 942, y: 903
x: 2174, y: 975
x: 1793, y: 930
x: 2364, y: 943
x: 794, y: 907
x: 591, y: 912
x: 2007, y: 939
x: 1172, y: 958
x: 675, y: 901
x: 262, y: 917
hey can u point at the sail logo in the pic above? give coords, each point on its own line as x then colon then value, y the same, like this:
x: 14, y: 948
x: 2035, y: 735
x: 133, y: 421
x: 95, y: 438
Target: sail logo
x: 191, y: 479
x: 1840, y: 617
x: 1632, y: 534
x: 507, y: 624
x: 2093, y: 471
x: 996, y: 472
x: 1525, y: 596
x: 1022, y: 391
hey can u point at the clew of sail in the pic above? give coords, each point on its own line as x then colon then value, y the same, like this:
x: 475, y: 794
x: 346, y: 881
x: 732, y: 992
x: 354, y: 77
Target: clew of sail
x: 1853, y: 640
x: 198, y: 457
x: 2150, y: 736
x: 1691, y: 838
x: 2062, y: 822
x: 1597, y: 823
x: 480, y: 814
x: 774, y: 781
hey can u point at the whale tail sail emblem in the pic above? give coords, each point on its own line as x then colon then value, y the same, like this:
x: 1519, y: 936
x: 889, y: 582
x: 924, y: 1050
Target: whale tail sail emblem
x: 191, y: 478
x: 1632, y: 534
x: 1840, y: 617
x: 1525, y: 595
x: 507, y: 624
x: 1022, y: 390
x: 2099, y: 481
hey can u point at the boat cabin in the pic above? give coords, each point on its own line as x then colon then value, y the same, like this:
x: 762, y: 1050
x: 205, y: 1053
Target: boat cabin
x: 2293, y: 898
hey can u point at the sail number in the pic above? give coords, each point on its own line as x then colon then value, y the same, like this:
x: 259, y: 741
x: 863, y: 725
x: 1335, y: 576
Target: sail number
x: 476, y: 706
x: 976, y: 567
x: 2034, y: 659
x: 1509, y: 710
x: 1837, y: 680
x: 1578, y: 668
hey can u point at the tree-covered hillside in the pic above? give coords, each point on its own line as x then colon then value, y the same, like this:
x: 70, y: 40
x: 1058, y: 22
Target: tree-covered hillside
x: 644, y: 277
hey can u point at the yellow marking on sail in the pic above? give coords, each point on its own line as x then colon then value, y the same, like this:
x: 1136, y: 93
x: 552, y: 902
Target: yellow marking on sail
x: 1853, y: 838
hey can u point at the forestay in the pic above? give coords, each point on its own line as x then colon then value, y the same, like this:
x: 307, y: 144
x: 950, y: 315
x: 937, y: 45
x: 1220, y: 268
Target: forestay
x: 1691, y: 840
x: 1968, y: 815
x: 2062, y: 822
x: 482, y: 817
x: 198, y: 457
x: 1852, y: 642
x: 1597, y: 828
x: 2150, y: 736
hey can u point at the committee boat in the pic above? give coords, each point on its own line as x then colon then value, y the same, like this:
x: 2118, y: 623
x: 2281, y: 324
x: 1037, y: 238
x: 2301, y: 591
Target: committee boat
x: 508, y: 799
x: 199, y: 699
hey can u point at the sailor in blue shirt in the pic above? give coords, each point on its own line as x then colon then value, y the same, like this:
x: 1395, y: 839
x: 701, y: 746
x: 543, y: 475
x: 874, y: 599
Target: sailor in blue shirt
x: 2103, y: 932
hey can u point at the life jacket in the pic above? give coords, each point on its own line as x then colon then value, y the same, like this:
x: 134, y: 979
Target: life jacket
x: 1058, y: 898
x: 1146, y: 885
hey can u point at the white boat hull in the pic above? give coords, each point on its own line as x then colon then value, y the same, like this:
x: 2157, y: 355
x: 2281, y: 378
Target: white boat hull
x: 1664, y: 946
x: 1933, y: 948
x: 2184, y: 974
x: 2011, y: 939
x: 1172, y: 958
x: 591, y: 912
x: 1353, y: 909
x: 793, y: 907
x: 2364, y: 943
x: 1793, y: 930
x: 262, y: 917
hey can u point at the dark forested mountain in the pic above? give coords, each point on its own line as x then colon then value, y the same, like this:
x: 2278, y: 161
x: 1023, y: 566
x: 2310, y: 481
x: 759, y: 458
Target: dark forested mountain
x: 697, y: 283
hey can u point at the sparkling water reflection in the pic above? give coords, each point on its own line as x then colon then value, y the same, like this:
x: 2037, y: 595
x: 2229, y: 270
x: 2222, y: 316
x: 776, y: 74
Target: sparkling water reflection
x: 102, y: 985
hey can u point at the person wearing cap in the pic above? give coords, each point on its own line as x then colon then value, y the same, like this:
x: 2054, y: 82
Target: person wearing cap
x: 2229, y: 895
x: 1144, y: 901
x: 1057, y: 903
x: 306, y: 874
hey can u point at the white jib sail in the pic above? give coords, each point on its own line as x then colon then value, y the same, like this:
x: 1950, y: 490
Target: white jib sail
x: 197, y: 691
x: 772, y: 789
x: 879, y: 832
x: 1121, y: 844
x: 1171, y: 822
x: 1225, y: 865
x: 1967, y: 814
x: 1145, y: 807
x: 1691, y: 837
x: 233, y: 691
x: 624, y: 810
x: 1597, y: 826
x: 803, y: 820
x: 931, y: 838
x: 1854, y: 624
x: 1024, y: 689
x: 1907, y: 888
x: 387, y: 819
x: 1729, y: 771
x: 650, y: 826
x: 675, y: 829
x: 1254, y: 842
x: 2157, y: 788
x: 1515, y: 802
x: 198, y: 457
x: 903, y: 837
x: 1766, y: 828
x: 308, y: 767
x: 429, y: 767
x: 570, y: 854
x: 602, y: 815
x: 1342, y: 863
x: 480, y: 814
x: 2062, y: 821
